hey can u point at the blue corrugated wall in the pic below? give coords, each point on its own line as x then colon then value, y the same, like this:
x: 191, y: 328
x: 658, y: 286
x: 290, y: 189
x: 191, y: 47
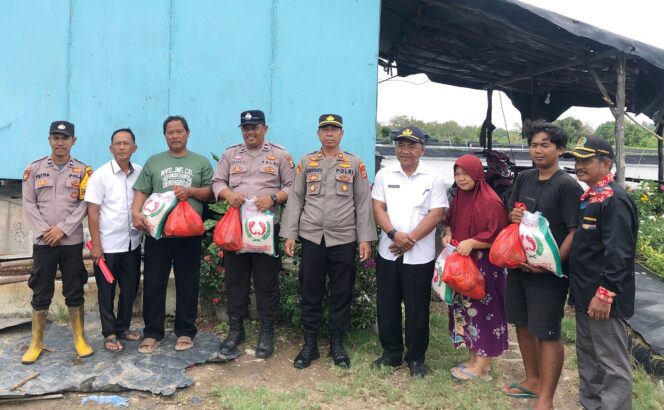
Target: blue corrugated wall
x: 110, y: 64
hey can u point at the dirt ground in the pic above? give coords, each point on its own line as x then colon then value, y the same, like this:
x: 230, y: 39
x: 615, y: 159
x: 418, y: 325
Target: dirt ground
x: 278, y: 374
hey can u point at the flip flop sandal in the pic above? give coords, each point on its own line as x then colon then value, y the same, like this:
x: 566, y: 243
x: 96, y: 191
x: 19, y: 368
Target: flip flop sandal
x: 187, y: 341
x: 149, y: 345
x: 524, y: 393
x: 129, y: 335
x: 469, y: 375
x: 113, y: 341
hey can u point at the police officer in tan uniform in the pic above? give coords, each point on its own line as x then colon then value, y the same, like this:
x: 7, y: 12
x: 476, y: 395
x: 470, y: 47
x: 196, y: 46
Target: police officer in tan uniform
x: 329, y: 209
x: 53, y: 191
x: 265, y: 171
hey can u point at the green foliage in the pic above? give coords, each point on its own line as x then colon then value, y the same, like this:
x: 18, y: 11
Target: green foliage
x: 635, y: 136
x: 574, y: 128
x: 212, y: 271
x: 649, y: 200
x: 261, y: 398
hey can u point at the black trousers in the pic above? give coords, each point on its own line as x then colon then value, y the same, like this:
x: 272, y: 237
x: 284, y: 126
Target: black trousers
x: 126, y: 268
x: 318, y: 263
x: 184, y: 255
x: 410, y: 284
x: 46, y: 260
x: 239, y: 269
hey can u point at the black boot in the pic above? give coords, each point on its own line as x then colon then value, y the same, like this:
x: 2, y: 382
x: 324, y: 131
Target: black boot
x: 235, y: 337
x: 265, y: 345
x: 337, y: 351
x: 309, y: 351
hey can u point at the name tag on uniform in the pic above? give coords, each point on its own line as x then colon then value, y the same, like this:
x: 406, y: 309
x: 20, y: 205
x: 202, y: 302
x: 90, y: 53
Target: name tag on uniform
x: 394, y: 186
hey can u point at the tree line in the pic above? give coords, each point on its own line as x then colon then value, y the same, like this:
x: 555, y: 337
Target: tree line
x: 450, y: 132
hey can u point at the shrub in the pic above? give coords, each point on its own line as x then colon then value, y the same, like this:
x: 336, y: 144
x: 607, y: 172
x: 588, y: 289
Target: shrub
x: 649, y: 199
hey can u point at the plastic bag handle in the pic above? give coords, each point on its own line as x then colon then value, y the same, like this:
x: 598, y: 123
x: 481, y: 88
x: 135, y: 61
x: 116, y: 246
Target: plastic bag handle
x: 520, y: 205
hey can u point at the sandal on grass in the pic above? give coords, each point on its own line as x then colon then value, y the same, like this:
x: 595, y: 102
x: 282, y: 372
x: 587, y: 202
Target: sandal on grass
x: 460, y: 374
x: 522, y: 394
x: 130, y: 335
x: 149, y: 345
x: 112, y: 344
x: 184, y: 343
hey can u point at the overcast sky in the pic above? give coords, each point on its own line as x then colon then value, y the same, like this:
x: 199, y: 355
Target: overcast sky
x: 417, y: 97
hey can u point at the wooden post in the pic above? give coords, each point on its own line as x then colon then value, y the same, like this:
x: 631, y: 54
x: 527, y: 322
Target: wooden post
x: 660, y: 151
x: 620, y: 120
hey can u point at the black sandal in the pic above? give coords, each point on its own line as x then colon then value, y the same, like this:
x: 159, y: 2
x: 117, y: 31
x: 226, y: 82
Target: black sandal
x: 113, y: 341
x: 123, y: 335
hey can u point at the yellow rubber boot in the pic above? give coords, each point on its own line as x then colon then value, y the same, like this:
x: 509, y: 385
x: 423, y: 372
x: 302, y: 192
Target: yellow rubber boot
x: 76, y: 319
x: 37, y: 343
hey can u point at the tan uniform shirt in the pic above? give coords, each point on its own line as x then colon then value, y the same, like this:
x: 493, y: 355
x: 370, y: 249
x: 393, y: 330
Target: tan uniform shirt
x: 54, y: 197
x: 269, y: 171
x: 330, y: 198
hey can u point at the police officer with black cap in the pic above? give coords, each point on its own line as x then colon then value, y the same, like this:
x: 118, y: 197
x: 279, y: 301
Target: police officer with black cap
x: 262, y: 170
x: 53, y: 193
x: 329, y: 209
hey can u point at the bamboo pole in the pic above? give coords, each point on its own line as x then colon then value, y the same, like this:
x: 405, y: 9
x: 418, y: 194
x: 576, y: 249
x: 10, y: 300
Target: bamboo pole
x: 620, y: 120
x: 660, y: 152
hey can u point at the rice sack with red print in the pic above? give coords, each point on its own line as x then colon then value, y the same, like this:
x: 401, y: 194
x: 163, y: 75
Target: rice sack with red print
x: 440, y: 288
x: 257, y: 229
x: 539, y: 244
x: 156, y: 209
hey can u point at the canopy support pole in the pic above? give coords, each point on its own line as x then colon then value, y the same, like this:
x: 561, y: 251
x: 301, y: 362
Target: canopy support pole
x: 620, y: 119
x: 660, y: 151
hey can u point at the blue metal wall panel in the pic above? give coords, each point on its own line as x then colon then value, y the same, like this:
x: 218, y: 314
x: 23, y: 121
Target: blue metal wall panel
x: 109, y: 64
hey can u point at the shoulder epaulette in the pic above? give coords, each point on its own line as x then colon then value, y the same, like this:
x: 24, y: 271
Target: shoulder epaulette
x: 40, y: 159
x: 232, y: 146
x: 350, y: 153
x: 281, y: 147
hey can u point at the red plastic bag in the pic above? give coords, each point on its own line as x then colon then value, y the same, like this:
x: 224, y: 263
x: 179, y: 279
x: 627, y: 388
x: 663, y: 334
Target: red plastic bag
x: 462, y: 275
x: 228, y: 232
x: 184, y: 221
x: 507, y: 250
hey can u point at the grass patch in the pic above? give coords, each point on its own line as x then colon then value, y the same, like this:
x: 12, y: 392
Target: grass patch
x: 568, y: 329
x: 59, y: 314
x: 262, y: 398
x: 644, y: 391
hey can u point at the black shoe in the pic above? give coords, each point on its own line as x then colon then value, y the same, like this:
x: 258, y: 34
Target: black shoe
x: 234, y: 339
x: 309, y: 351
x: 417, y: 369
x: 384, y: 361
x: 265, y: 346
x: 337, y: 351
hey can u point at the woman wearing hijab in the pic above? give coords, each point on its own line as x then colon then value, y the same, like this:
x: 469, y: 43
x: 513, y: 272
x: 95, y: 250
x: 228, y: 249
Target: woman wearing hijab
x: 476, y: 217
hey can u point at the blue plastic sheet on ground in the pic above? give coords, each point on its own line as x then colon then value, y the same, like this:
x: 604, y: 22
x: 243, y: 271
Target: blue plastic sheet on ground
x: 116, y: 401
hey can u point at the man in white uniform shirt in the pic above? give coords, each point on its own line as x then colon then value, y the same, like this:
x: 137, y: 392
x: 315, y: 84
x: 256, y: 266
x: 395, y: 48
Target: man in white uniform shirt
x: 409, y: 200
x: 109, y: 196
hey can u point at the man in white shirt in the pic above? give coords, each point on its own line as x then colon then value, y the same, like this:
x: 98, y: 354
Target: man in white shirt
x: 109, y: 196
x: 409, y: 200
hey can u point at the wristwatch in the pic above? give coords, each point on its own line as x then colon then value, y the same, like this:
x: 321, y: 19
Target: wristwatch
x: 275, y: 199
x: 391, y: 233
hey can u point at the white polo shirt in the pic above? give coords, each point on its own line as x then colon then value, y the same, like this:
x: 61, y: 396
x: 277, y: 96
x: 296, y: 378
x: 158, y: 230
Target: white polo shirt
x: 409, y: 199
x: 111, y: 188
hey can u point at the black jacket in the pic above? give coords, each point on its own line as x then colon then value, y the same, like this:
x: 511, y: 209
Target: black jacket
x: 603, y: 251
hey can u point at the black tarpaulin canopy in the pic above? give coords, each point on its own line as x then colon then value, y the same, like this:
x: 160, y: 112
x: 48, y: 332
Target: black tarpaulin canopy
x: 520, y: 49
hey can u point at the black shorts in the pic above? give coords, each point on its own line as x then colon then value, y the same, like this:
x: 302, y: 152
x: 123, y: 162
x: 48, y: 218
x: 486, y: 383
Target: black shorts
x: 537, y: 301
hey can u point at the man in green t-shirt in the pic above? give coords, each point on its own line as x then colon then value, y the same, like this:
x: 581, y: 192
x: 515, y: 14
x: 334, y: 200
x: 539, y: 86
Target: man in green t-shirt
x: 189, y: 175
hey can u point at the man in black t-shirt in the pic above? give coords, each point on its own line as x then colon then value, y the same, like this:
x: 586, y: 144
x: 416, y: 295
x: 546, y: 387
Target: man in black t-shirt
x: 536, y: 297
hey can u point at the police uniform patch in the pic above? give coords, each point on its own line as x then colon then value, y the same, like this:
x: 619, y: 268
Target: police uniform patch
x: 312, y: 187
x: 26, y: 174
x: 75, y: 183
x: 363, y: 170
x: 344, y: 187
x: 299, y: 168
x: 43, y: 182
x: 76, y: 170
x: 237, y: 157
x: 344, y: 178
x: 235, y: 170
x: 269, y: 169
x: 313, y: 177
x: 340, y: 156
x: 345, y: 165
x: 74, y: 195
x: 313, y: 164
x: 290, y: 161
x: 271, y: 157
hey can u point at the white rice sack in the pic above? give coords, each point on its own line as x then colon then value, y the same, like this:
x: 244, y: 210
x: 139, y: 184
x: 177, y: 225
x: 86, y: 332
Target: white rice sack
x: 539, y: 244
x: 156, y: 209
x: 440, y: 288
x: 257, y: 229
